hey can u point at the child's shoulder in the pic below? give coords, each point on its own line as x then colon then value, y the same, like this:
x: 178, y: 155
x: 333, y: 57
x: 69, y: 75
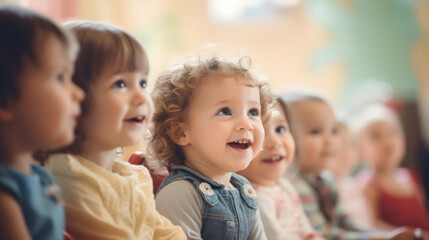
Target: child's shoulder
x: 6, y: 171
x: 288, y: 188
x: 183, y: 179
x: 9, y: 174
x: 300, y: 183
x: 11, y: 180
x: 407, y: 175
x: 286, y: 185
x: 73, y: 165
x: 137, y: 172
x: 209, y: 190
x: 187, y: 174
x: 180, y: 194
x: 22, y: 186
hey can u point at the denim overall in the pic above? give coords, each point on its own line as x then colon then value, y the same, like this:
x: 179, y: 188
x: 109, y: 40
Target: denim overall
x: 227, y: 214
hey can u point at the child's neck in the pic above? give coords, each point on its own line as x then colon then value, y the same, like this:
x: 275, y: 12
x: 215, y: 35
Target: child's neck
x: 13, y: 156
x: 385, y: 173
x: 313, y: 173
x: 261, y: 181
x: 21, y: 162
x: 220, y: 177
x: 102, y: 157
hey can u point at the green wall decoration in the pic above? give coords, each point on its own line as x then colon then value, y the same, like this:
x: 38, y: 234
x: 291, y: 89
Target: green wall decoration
x: 374, y: 41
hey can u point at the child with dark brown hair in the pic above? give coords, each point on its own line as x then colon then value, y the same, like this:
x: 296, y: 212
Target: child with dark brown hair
x: 39, y: 106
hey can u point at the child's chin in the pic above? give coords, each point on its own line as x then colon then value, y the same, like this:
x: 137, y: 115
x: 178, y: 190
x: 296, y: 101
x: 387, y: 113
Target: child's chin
x: 59, y: 142
x: 243, y: 166
x: 133, y: 140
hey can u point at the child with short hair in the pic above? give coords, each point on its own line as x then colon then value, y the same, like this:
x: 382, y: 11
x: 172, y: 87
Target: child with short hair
x: 394, y: 192
x: 207, y: 125
x: 314, y: 128
x: 278, y: 201
x: 39, y: 105
x: 105, y: 197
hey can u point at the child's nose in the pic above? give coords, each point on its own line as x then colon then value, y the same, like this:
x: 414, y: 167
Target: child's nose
x: 77, y: 93
x: 272, y: 142
x: 140, y: 97
x: 244, y: 124
x: 331, y: 139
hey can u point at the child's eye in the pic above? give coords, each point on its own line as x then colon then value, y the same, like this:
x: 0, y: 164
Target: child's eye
x: 254, y: 112
x: 335, y: 131
x: 315, y: 131
x: 143, y: 84
x: 59, y: 78
x: 280, y: 129
x: 119, y: 84
x: 375, y: 136
x: 224, y: 111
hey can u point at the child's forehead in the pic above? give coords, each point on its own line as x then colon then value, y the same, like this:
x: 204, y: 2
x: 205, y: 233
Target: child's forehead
x: 224, y: 89
x: 52, y: 54
x: 312, y: 112
x: 311, y: 107
x: 235, y: 78
x: 277, y: 114
x: 373, y: 114
x: 225, y: 84
x: 112, y: 69
x: 382, y: 123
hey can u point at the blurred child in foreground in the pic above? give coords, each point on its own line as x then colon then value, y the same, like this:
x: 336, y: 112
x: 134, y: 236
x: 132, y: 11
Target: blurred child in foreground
x: 39, y: 106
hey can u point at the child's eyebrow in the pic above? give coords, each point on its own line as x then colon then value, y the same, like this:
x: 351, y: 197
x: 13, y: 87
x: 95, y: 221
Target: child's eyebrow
x: 255, y: 103
x: 221, y: 102
x: 229, y: 101
x: 280, y: 121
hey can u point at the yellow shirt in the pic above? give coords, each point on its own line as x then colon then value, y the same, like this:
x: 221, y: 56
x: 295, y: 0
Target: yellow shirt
x: 107, y: 205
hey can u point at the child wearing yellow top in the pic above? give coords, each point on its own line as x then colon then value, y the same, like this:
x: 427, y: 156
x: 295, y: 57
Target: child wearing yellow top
x: 106, y: 198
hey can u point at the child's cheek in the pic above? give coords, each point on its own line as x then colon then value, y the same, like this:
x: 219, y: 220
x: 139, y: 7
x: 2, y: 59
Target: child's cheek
x: 259, y: 137
x: 151, y: 108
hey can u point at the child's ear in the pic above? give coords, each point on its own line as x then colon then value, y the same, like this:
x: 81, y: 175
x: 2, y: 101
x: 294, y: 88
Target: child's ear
x: 177, y: 134
x: 5, y: 114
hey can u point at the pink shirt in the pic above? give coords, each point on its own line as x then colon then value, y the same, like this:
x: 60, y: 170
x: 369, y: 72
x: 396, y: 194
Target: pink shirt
x: 353, y: 200
x: 282, y: 214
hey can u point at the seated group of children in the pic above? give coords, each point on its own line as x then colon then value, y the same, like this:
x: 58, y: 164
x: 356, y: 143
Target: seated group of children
x: 70, y: 96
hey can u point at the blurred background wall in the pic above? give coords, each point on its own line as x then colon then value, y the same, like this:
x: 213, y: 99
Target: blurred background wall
x: 354, y: 51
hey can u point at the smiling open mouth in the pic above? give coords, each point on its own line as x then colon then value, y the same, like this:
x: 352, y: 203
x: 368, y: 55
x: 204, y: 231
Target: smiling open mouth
x: 240, y: 144
x: 273, y: 159
x: 139, y: 119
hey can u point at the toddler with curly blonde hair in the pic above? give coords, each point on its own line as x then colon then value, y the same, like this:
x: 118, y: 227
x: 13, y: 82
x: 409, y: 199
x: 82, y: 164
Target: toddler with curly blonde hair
x: 208, y: 124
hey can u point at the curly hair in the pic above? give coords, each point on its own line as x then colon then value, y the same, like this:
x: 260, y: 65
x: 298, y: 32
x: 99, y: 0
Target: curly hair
x: 173, y: 92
